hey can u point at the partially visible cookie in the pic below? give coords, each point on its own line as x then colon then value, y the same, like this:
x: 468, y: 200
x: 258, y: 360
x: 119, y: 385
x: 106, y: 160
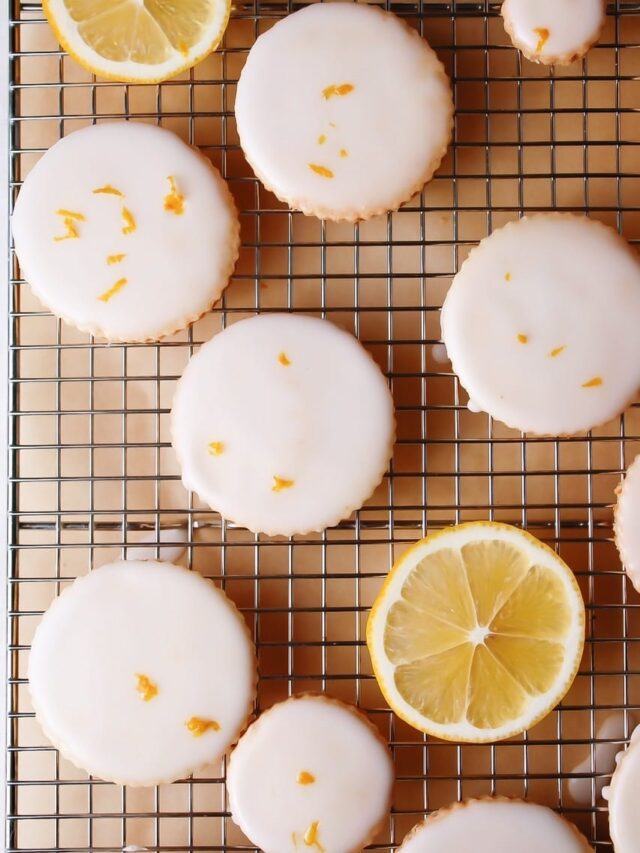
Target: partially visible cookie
x: 541, y: 324
x: 622, y: 796
x: 627, y: 522
x: 311, y: 774
x: 554, y: 32
x: 343, y: 111
x: 495, y: 825
x: 125, y: 231
x: 142, y: 672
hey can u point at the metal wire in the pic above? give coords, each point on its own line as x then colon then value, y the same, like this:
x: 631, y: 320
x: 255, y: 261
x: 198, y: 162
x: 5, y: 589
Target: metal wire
x: 91, y: 469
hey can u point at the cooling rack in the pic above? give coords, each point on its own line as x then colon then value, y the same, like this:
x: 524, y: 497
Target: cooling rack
x: 91, y: 471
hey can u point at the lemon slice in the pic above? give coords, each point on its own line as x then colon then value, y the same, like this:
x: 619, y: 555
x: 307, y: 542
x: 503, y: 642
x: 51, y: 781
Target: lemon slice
x: 138, y: 41
x: 477, y: 633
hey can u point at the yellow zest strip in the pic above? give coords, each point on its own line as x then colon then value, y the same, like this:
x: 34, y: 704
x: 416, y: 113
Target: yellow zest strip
x: 322, y: 139
x: 216, y: 448
x: 344, y: 152
x: 174, y: 201
x: 106, y: 296
x: 107, y: 189
x: 115, y: 259
x: 321, y: 170
x: 128, y: 220
x: 284, y: 360
x: 556, y: 352
x: 198, y: 726
x: 279, y: 484
x: 593, y: 383
x: 340, y: 90
x: 311, y: 837
x: 305, y: 778
x: 72, y: 231
x: 523, y: 339
x: 543, y: 37
x: 145, y: 687
x: 507, y: 276
x: 71, y: 214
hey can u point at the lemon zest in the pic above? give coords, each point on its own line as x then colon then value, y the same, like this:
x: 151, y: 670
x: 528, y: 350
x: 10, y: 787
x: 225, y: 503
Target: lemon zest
x: 284, y: 359
x: 107, y: 189
x: 339, y: 90
x: 106, y: 296
x: 72, y: 231
x: 311, y: 836
x: 199, y: 726
x: 280, y: 484
x: 321, y: 170
x: 216, y: 448
x: 593, y: 383
x: 128, y: 220
x: 543, y: 37
x: 71, y: 214
x: 523, y: 339
x: 174, y: 201
x: 507, y: 276
x: 557, y: 350
x: 145, y: 687
x: 115, y: 259
x: 305, y: 778
x: 344, y: 152
x: 322, y: 139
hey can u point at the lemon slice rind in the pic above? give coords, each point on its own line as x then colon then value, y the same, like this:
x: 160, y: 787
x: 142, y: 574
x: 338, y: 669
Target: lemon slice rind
x: 67, y: 32
x: 537, y: 706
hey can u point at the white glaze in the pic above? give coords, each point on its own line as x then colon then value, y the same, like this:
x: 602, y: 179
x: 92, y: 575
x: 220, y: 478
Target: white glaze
x: 395, y: 124
x: 175, y: 265
x: 351, y: 768
x: 324, y: 422
x: 553, y: 30
x: 495, y: 826
x: 573, y: 283
x: 627, y: 523
x: 622, y: 794
x: 148, y: 618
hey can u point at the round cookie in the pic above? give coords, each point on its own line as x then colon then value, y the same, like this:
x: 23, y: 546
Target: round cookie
x: 495, y: 825
x: 541, y: 324
x: 554, y: 32
x: 343, y: 111
x: 283, y: 424
x: 125, y: 231
x: 310, y: 773
x: 622, y: 794
x: 141, y: 672
x: 627, y: 526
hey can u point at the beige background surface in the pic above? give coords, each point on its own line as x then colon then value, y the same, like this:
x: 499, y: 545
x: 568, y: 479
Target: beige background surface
x: 93, y: 470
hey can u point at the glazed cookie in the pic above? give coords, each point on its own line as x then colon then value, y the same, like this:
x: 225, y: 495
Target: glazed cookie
x: 141, y: 672
x: 343, y: 111
x: 554, y: 32
x: 283, y: 424
x: 627, y: 529
x: 495, y: 825
x: 541, y: 324
x: 125, y: 231
x: 622, y: 794
x: 310, y: 774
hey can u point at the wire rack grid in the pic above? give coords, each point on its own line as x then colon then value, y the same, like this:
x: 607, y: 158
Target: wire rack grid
x: 91, y: 471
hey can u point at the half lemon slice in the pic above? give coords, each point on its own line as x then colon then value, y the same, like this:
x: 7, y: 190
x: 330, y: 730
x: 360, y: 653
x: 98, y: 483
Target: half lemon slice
x: 477, y: 633
x: 138, y: 41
